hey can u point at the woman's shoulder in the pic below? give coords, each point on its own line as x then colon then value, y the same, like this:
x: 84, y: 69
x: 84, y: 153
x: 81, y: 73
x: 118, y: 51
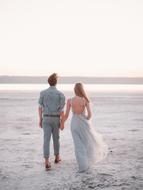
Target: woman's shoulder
x: 69, y: 100
x: 79, y: 100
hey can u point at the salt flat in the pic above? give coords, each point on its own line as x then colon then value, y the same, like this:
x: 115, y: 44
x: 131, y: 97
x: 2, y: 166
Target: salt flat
x: 118, y: 117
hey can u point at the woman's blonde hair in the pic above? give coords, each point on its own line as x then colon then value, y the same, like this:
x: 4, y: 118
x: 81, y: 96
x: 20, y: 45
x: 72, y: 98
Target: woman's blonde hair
x: 79, y: 91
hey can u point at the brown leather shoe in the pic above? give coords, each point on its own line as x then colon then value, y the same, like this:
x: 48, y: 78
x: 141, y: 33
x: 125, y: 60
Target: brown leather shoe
x: 57, y: 160
x: 48, y: 167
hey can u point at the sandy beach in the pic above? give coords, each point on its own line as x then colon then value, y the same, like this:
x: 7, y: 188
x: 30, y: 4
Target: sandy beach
x: 118, y: 117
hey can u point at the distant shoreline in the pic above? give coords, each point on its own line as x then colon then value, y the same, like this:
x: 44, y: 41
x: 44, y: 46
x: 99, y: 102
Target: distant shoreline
x: 70, y: 80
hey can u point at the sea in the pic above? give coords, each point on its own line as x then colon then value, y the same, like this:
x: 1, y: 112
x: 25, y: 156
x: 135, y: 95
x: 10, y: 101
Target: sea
x: 97, y: 88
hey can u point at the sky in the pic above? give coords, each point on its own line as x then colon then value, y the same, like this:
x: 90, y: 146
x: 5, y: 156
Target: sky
x: 72, y: 38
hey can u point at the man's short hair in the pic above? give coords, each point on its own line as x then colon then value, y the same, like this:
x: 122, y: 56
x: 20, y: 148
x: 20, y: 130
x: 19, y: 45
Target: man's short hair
x: 52, y: 80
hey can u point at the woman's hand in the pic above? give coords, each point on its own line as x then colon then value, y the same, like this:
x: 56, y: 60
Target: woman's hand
x: 88, y: 111
x: 62, y: 127
x: 88, y: 117
x: 62, y: 124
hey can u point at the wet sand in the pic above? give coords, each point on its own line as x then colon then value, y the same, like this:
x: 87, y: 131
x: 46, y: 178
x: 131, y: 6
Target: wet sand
x: 118, y: 117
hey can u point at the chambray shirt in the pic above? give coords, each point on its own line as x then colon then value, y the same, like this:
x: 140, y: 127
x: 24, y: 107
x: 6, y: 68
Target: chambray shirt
x: 52, y: 101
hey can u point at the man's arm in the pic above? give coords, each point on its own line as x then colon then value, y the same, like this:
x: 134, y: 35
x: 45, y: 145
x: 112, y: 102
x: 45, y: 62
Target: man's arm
x: 40, y: 117
x: 61, y: 109
x: 62, y: 120
x: 62, y: 102
x: 40, y: 110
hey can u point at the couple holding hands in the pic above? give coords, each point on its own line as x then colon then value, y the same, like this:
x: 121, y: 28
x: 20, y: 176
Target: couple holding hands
x: 88, y: 144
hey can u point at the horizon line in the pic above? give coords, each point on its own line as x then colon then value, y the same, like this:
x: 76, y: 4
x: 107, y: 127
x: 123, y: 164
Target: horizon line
x: 72, y: 76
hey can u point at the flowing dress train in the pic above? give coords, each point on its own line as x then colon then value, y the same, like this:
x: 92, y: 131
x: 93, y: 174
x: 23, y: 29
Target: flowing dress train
x: 88, y: 144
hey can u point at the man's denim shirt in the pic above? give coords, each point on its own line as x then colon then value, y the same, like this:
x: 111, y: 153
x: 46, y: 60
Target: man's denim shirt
x: 52, y: 101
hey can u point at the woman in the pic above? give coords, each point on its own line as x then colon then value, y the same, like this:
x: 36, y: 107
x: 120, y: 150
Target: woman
x: 88, y: 144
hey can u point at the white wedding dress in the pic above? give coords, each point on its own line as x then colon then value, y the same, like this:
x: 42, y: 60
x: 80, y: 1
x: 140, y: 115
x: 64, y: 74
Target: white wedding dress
x: 89, y: 145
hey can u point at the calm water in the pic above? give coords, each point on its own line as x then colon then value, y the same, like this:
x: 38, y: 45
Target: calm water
x: 103, y: 88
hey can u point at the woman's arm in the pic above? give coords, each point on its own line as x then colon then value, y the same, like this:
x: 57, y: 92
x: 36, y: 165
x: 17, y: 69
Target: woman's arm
x: 67, y: 110
x: 88, y: 110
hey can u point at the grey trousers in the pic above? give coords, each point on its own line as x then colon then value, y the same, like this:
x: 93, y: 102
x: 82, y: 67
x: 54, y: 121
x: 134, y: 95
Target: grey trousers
x: 51, y: 127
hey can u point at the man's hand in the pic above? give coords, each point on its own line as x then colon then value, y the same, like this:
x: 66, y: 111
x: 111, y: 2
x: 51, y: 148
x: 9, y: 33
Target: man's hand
x: 40, y: 123
x: 62, y: 124
x: 62, y: 127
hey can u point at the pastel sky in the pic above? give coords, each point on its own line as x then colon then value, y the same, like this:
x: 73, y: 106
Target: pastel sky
x: 76, y: 37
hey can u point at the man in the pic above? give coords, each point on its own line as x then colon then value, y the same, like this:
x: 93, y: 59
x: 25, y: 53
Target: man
x: 51, y: 104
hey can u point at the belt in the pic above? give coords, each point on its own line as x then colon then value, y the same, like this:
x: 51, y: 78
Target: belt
x: 47, y: 115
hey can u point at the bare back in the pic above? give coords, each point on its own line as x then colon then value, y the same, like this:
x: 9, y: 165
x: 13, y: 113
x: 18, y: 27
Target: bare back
x: 78, y: 104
